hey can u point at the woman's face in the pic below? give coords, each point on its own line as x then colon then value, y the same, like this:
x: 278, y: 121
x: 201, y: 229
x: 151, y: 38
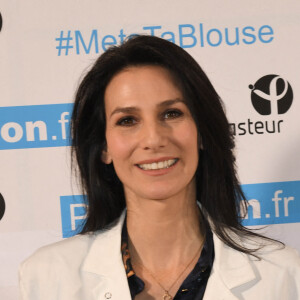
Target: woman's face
x: 150, y: 133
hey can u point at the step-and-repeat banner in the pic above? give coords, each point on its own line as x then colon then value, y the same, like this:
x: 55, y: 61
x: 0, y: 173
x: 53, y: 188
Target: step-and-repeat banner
x: 250, y: 51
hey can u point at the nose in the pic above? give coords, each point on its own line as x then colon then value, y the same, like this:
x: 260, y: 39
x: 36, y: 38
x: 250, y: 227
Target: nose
x: 154, y: 136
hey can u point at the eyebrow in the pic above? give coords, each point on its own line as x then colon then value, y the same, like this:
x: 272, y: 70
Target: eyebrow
x: 132, y: 109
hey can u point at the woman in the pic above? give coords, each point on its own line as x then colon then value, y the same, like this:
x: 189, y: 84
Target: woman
x: 155, y: 159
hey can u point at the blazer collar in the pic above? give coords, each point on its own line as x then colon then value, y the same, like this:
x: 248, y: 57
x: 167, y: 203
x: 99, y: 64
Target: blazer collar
x: 232, y: 271
x: 235, y: 267
x: 104, y: 257
x: 231, y: 268
x: 104, y: 260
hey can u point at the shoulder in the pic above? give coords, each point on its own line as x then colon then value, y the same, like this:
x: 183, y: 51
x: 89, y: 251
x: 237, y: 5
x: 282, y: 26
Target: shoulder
x: 65, y: 268
x: 54, y: 257
x: 269, y: 258
x: 51, y: 266
x: 72, y: 251
x: 278, y: 270
x: 273, y: 274
x: 281, y: 257
x: 63, y: 248
x: 275, y: 262
x: 272, y: 252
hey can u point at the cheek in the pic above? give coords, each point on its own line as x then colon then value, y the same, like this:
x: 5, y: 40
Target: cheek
x: 189, y: 136
x: 118, y: 146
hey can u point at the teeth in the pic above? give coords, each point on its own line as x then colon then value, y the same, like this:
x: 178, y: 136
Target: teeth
x: 160, y: 165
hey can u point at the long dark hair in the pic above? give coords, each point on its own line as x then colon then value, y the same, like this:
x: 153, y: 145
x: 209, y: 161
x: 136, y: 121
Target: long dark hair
x: 218, y: 189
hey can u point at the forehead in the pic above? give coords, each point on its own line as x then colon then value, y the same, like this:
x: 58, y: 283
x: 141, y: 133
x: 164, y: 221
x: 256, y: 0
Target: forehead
x: 139, y: 84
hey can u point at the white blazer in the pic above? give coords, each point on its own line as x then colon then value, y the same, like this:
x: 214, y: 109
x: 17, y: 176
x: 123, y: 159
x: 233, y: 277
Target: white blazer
x: 90, y: 267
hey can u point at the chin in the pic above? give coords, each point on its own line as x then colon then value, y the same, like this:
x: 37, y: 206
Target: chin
x: 159, y: 195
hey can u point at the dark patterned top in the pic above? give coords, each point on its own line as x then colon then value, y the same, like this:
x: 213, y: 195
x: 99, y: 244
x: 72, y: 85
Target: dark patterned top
x: 194, y: 285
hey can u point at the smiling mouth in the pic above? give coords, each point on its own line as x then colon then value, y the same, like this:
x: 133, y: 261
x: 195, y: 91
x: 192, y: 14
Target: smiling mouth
x: 158, y: 165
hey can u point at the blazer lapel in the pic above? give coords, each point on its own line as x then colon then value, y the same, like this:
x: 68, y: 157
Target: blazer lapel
x: 232, y: 270
x: 104, y: 260
x: 232, y: 273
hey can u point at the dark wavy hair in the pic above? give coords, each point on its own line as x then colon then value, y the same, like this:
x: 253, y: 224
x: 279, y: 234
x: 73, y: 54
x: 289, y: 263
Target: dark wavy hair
x: 218, y: 189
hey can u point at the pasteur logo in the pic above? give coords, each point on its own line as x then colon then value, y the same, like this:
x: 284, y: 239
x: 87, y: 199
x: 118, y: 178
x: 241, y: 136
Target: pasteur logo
x: 271, y: 94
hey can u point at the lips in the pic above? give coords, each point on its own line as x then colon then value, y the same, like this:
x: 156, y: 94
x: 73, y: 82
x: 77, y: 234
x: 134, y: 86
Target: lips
x: 158, y: 165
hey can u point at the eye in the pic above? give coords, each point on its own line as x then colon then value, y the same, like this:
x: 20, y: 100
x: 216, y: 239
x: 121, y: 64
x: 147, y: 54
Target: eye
x: 172, y: 114
x: 127, y: 121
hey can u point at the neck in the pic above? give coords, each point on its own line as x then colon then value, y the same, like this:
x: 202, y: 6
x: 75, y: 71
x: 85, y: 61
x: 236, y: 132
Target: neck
x: 163, y: 233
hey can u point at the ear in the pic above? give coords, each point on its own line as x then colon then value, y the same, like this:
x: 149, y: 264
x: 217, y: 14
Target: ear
x: 105, y: 157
